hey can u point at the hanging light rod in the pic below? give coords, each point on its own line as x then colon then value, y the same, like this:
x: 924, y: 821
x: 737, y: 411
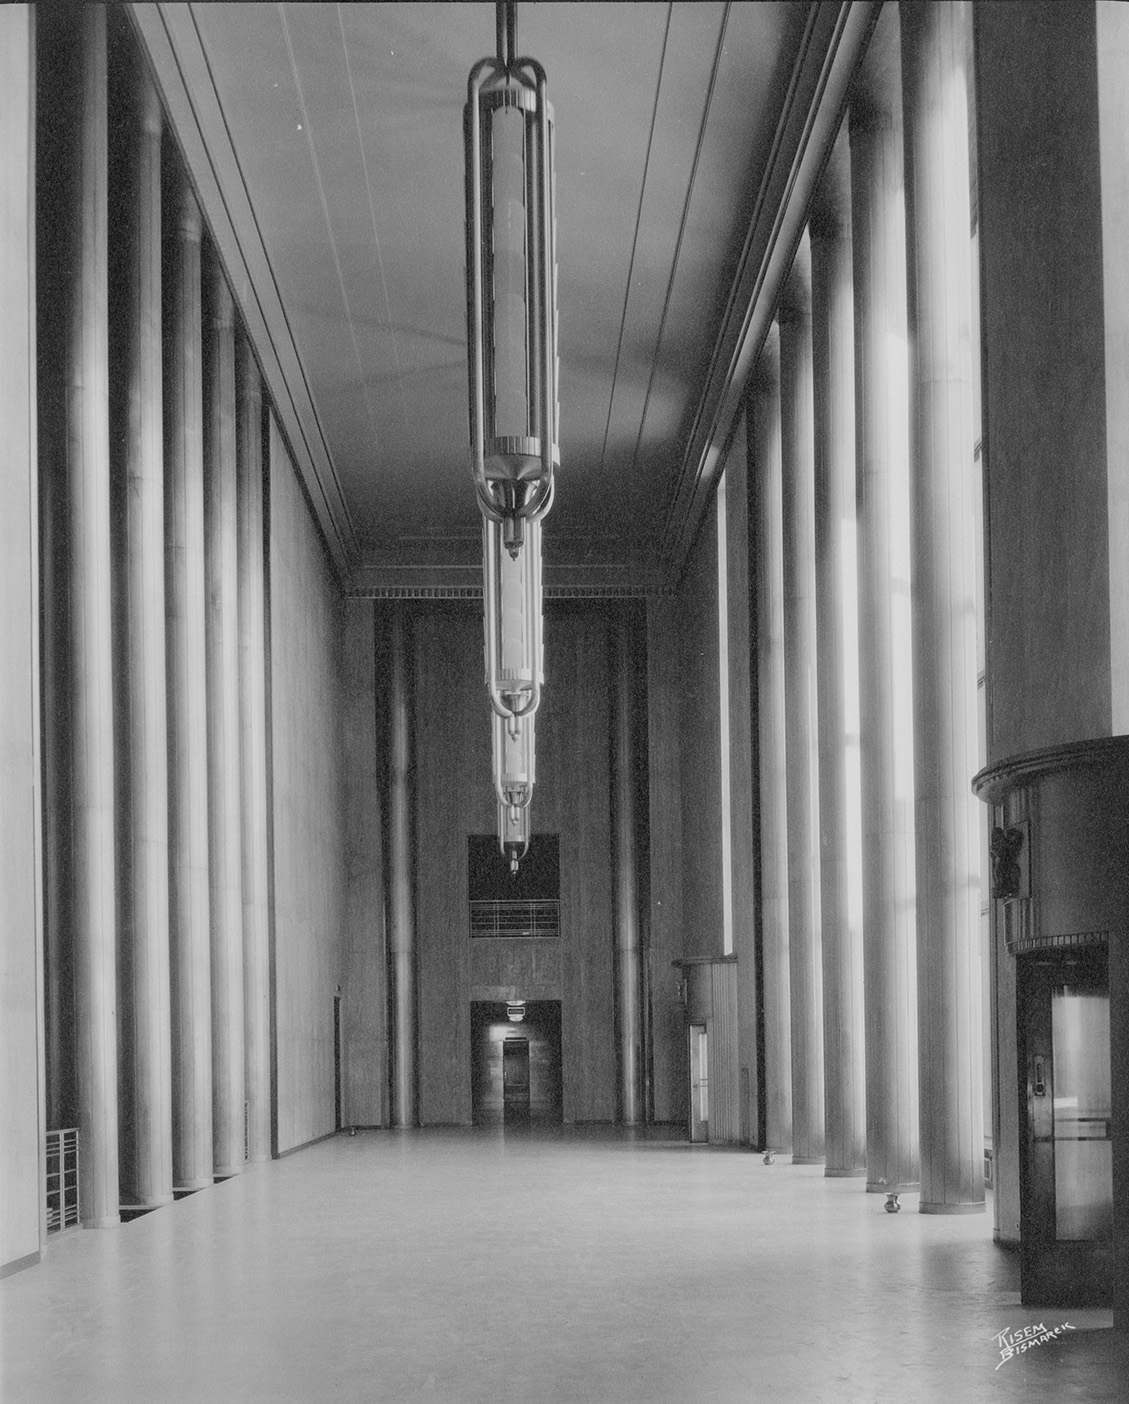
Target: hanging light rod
x: 514, y: 409
x: 505, y: 19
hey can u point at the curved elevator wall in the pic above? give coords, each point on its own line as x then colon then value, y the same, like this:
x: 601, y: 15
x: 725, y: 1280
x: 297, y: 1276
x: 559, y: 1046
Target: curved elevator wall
x: 1060, y: 837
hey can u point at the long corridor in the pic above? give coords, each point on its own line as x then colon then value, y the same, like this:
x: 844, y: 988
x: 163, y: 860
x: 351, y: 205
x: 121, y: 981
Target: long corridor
x: 462, y: 1267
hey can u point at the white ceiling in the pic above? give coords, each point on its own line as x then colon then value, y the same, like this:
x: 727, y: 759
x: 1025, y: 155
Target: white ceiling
x: 327, y: 142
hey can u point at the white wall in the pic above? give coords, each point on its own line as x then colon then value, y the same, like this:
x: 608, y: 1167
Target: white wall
x: 308, y: 810
x: 21, y: 1171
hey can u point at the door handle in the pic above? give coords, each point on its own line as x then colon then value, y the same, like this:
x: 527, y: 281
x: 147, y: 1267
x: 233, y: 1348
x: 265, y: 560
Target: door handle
x: 1040, y: 1088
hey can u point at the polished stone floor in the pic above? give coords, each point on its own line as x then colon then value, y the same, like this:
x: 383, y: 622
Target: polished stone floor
x: 583, y: 1267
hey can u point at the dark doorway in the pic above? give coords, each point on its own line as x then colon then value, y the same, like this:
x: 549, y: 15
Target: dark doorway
x: 337, y: 1079
x: 515, y: 1081
x: 1066, y: 1174
x: 516, y: 1063
x: 699, y: 1083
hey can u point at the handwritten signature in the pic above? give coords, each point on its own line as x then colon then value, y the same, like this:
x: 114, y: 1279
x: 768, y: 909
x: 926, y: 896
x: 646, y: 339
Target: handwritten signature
x: 1024, y: 1337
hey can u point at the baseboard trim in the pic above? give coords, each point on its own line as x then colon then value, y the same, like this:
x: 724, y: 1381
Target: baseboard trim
x: 18, y: 1264
x: 305, y: 1145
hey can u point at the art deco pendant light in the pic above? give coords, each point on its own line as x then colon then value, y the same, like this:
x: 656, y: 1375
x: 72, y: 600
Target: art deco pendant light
x: 514, y: 409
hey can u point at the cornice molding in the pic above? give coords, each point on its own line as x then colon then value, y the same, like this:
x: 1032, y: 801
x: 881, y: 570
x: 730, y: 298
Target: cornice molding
x: 179, y: 65
x: 835, y: 41
x: 995, y: 782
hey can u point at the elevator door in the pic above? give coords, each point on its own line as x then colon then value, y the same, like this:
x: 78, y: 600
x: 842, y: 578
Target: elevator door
x: 1067, y: 1184
x: 515, y: 1081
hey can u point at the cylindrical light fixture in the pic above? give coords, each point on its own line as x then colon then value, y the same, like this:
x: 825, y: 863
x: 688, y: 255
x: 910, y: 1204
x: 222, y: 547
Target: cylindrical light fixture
x: 514, y: 776
x: 513, y: 833
x: 511, y: 286
x: 512, y: 618
x: 514, y: 408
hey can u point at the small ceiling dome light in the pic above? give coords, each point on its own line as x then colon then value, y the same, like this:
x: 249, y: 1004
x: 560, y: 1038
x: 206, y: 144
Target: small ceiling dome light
x: 515, y: 1010
x: 513, y: 364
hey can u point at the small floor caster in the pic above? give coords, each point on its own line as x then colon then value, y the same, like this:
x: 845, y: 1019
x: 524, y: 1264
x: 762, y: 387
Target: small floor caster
x: 352, y: 1130
x: 769, y: 1158
x: 892, y: 1206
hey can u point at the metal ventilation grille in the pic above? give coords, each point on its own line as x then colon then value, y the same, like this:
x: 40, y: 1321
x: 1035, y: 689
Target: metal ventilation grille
x: 62, y: 1179
x: 495, y: 918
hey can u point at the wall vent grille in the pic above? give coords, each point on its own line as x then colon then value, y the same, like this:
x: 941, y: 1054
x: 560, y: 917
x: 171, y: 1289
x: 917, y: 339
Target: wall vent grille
x: 474, y: 592
x: 62, y: 1179
x: 515, y: 919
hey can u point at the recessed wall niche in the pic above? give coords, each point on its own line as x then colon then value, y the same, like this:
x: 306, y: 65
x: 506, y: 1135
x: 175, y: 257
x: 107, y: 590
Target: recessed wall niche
x: 521, y: 904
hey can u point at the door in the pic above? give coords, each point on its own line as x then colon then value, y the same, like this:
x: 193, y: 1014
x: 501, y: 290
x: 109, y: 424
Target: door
x: 515, y: 1081
x: 699, y: 1083
x: 338, y: 1123
x: 1066, y: 1182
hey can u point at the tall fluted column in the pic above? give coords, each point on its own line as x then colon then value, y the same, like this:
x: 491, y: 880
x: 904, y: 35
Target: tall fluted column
x: 800, y: 682
x: 225, y: 833
x: 886, y: 700
x: 93, y: 900
x: 832, y: 311
x: 934, y: 45
x: 147, y: 1152
x: 768, y: 553
x: 402, y: 935
x: 629, y: 1031
x: 191, y: 958
x: 253, y: 754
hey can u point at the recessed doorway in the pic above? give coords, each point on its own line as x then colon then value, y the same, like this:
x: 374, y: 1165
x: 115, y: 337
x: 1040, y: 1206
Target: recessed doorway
x: 1066, y: 1178
x: 699, y: 1083
x: 516, y: 1063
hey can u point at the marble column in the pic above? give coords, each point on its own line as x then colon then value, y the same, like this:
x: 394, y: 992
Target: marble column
x: 800, y: 730
x: 93, y: 907
x: 190, y: 943
x: 628, y: 968
x: 886, y: 699
x: 225, y: 828
x: 832, y: 311
x: 401, y: 932
x: 943, y: 516
x: 253, y: 752
x: 144, y: 892
x: 768, y: 553
x: 53, y: 232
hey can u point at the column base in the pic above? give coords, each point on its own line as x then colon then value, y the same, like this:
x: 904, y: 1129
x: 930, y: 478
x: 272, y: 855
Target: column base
x: 191, y: 1186
x: 977, y: 1208
x: 225, y: 1172
x: 106, y: 1221
x: 807, y: 1160
x: 152, y: 1201
x: 834, y: 1174
x: 907, y: 1187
